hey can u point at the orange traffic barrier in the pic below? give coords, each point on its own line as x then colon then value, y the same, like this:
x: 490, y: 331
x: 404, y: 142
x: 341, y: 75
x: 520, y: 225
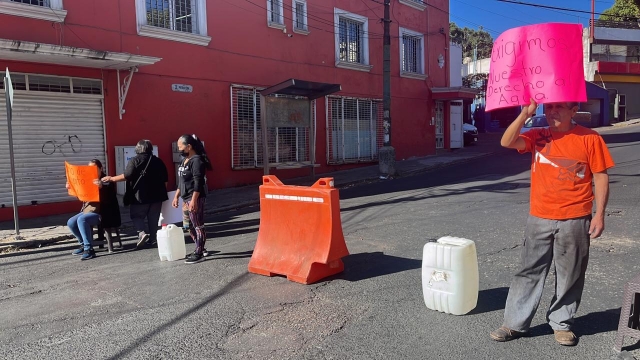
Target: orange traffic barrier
x: 300, y: 231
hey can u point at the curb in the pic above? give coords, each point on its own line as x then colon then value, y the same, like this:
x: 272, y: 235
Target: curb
x: 34, y: 243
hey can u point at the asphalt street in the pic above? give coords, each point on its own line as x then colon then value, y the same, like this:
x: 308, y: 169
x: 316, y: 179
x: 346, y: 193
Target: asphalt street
x: 129, y: 305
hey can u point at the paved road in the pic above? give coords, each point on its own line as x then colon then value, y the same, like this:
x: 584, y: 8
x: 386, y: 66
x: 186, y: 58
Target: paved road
x: 129, y: 305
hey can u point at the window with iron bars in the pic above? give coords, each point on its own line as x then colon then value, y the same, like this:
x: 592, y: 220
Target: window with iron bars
x: 286, y: 144
x: 418, y: 4
x: 350, y: 40
x: 354, y: 129
x: 411, y: 52
x: 179, y: 15
x: 43, y: 3
x: 275, y: 12
x: 300, y: 15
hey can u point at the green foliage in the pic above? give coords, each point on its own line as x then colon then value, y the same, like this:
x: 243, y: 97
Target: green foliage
x: 470, y: 38
x: 622, y: 10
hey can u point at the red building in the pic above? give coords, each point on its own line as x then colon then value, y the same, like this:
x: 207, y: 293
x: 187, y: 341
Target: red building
x: 93, y: 75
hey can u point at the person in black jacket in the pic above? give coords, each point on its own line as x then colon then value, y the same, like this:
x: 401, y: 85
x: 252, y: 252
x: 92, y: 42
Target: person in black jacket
x: 105, y: 211
x: 192, y: 188
x: 147, y: 178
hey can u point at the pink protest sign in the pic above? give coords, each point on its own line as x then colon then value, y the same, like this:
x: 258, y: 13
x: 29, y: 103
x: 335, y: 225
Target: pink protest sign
x: 541, y: 62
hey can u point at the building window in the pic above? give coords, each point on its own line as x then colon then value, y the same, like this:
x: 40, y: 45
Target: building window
x: 177, y: 20
x: 176, y: 15
x: 417, y: 4
x: 275, y: 13
x: 287, y: 145
x: 44, y: 3
x: 354, y: 129
x: 300, y: 16
x: 54, y: 84
x: 50, y: 10
x: 352, y: 42
x: 411, y: 54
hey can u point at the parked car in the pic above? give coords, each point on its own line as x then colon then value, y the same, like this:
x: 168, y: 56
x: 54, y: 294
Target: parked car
x: 469, y: 133
x: 537, y: 121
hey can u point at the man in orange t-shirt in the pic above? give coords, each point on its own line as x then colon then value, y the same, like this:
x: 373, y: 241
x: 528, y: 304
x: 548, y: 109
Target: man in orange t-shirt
x: 566, y: 159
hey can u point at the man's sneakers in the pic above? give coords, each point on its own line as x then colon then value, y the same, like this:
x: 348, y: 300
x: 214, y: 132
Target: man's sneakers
x: 194, y: 258
x: 142, y: 240
x: 78, y: 251
x: 565, y: 337
x: 88, y: 254
x: 505, y: 334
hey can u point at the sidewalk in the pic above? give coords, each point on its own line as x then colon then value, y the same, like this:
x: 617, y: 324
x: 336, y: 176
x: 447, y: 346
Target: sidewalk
x: 46, y: 230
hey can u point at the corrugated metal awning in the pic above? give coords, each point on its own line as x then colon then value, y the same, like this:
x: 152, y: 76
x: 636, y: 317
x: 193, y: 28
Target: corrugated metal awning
x: 15, y: 50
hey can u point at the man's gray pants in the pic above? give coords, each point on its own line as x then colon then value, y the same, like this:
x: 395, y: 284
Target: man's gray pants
x: 566, y: 243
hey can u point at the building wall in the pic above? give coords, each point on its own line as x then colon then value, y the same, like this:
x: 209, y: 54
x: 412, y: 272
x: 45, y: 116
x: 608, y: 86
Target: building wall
x: 243, y: 50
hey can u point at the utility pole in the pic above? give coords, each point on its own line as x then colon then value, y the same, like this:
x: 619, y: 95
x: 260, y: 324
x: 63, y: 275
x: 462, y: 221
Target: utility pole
x: 387, y: 154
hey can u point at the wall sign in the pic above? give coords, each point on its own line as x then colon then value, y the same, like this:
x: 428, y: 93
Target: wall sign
x: 182, y: 88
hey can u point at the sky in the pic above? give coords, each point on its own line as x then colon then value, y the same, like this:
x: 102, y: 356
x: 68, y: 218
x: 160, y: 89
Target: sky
x: 496, y: 17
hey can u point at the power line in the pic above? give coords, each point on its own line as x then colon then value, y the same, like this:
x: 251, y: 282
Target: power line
x: 560, y: 8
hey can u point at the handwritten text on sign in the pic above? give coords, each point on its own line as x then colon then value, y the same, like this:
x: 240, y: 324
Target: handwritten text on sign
x: 81, y: 178
x: 541, y: 62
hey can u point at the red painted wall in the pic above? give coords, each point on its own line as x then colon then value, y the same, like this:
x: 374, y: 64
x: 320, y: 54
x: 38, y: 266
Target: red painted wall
x: 243, y: 50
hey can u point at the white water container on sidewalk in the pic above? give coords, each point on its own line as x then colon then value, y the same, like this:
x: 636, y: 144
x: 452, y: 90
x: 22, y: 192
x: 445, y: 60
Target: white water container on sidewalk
x: 171, y: 244
x: 450, y: 280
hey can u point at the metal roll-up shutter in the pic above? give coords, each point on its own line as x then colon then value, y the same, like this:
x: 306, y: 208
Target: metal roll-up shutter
x: 48, y: 129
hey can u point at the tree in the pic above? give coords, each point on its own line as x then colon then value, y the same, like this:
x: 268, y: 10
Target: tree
x: 476, y: 81
x: 622, y: 10
x: 470, y: 38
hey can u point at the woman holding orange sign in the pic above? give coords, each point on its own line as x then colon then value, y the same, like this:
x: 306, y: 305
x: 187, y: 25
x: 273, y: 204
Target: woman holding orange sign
x: 106, y: 210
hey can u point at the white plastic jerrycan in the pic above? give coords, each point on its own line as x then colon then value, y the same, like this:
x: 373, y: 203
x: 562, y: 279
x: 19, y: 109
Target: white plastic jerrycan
x: 450, y: 279
x: 171, y: 244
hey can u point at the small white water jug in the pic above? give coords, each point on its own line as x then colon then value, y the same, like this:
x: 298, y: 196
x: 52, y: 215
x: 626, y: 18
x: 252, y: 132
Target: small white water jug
x: 450, y: 280
x: 171, y: 244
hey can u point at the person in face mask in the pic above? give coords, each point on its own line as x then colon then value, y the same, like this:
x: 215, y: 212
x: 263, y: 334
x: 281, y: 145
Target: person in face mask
x: 147, y: 178
x: 192, y: 188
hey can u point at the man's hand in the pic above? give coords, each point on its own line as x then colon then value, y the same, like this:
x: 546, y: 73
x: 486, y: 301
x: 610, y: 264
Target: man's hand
x: 601, y: 181
x: 511, y: 137
x: 597, y: 227
x: 531, y: 108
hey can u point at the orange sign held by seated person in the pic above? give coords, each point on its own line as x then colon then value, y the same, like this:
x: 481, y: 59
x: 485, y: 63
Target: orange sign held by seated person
x: 81, y: 182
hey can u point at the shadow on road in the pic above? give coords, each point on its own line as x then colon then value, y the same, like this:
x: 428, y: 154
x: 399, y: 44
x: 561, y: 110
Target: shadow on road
x: 144, y: 338
x: 370, y: 265
x: 590, y: 324
x: 233, y: 255
x: 491, y: 300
